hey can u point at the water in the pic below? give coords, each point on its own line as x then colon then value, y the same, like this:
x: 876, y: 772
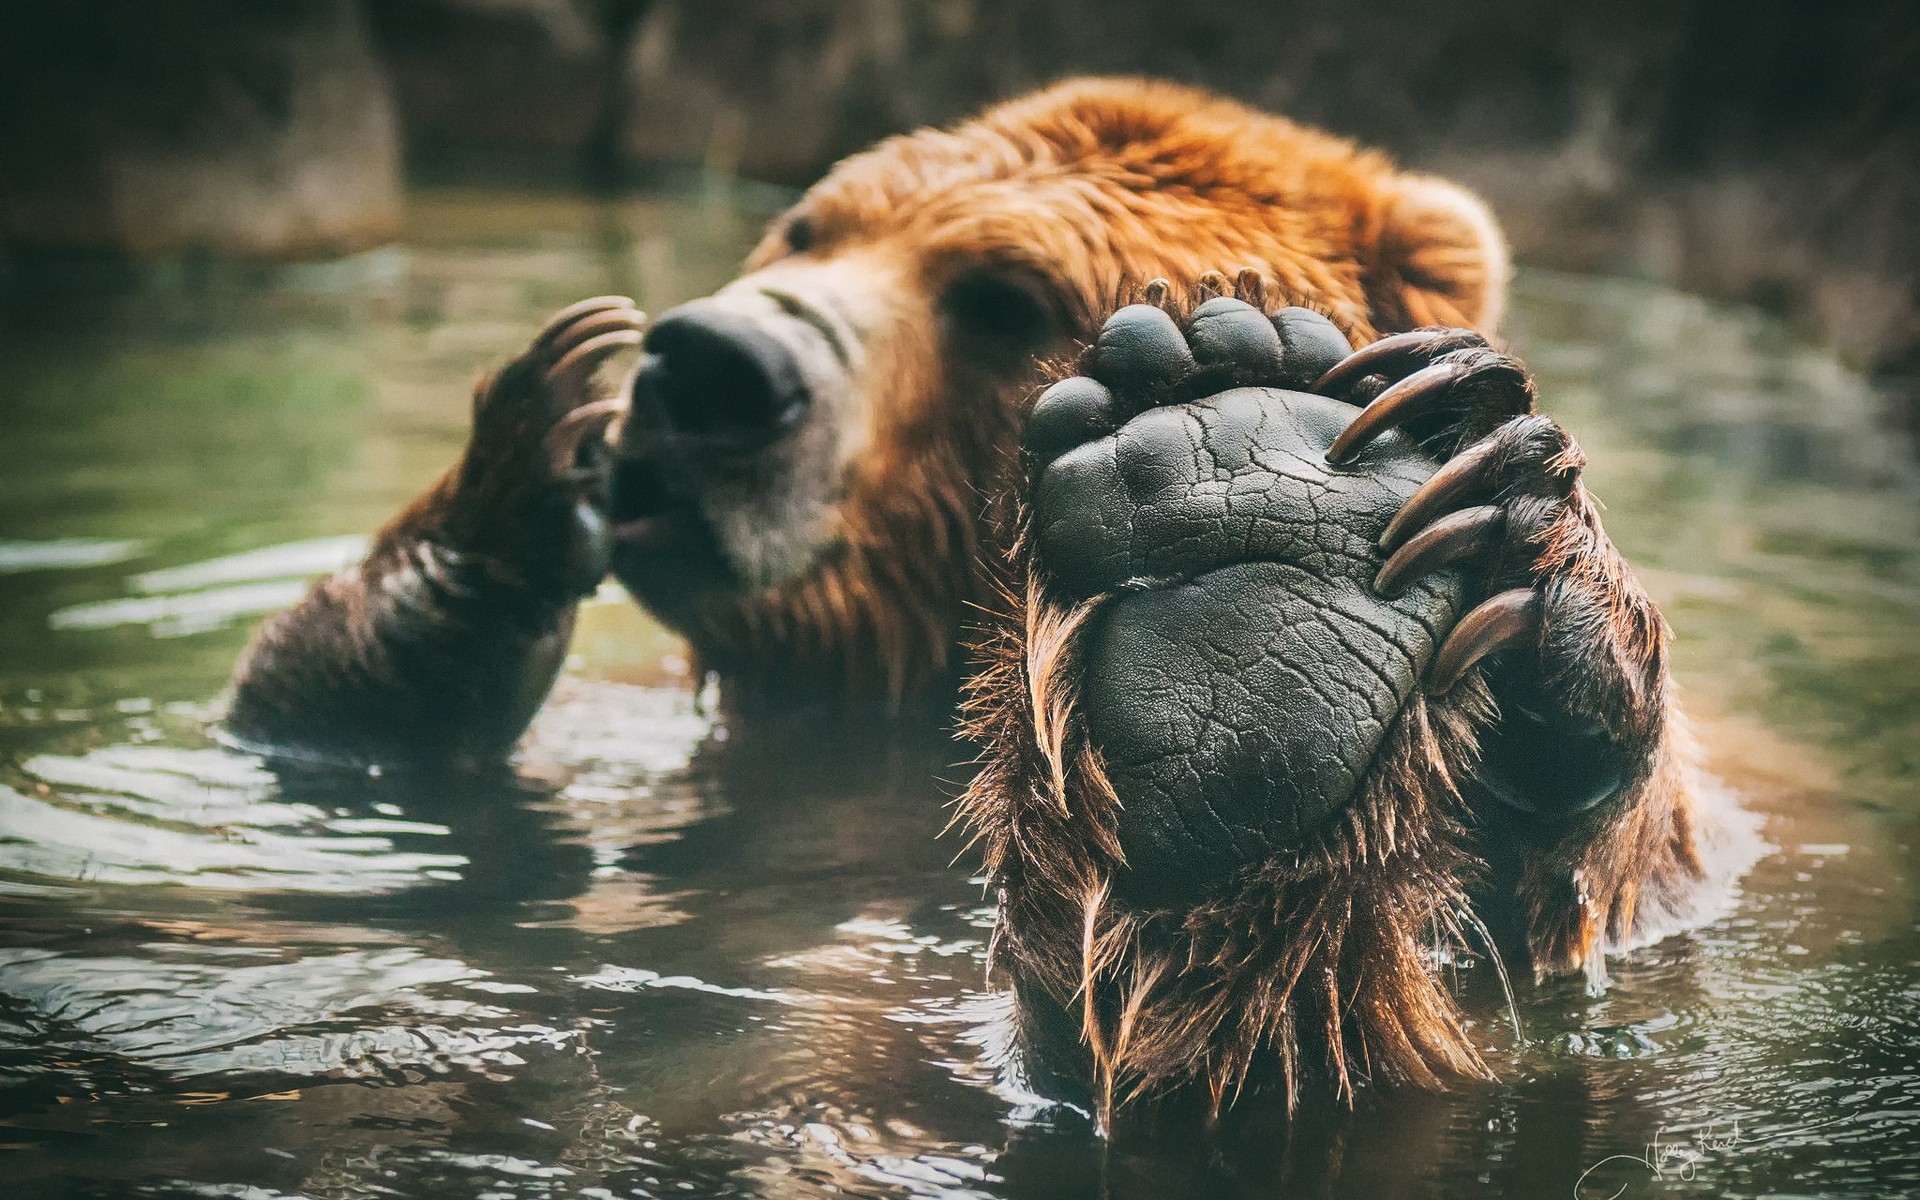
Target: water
x: 671, y: 958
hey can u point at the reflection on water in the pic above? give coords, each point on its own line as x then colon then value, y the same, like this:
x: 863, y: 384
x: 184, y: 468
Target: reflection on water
x: 201, y: 1009
x: 667, y: 957
x: 176, y: 601
x: 147, y: 834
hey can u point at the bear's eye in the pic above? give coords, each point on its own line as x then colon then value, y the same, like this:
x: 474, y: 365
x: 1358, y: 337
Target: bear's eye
x: 799, y: 235
x: 993, y: 306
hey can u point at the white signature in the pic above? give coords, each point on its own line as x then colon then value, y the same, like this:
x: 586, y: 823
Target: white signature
x: 1674, y: 1159
x: 1678, y: 1159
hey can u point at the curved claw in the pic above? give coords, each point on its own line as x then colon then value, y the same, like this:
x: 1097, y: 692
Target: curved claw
x: 1506, y: 619
x: 1251, y: 286
x: 583, y: 358
x: 1465, y: 476
x: 1402, y: 401
x: 1387, y: 356
x: 560, y: 321
x: 588, y: 327
x: 1453, y: 537
x: 571, y: 432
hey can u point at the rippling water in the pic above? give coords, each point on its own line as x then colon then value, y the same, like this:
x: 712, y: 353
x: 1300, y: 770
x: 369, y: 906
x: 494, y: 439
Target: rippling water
x: 665, y: 957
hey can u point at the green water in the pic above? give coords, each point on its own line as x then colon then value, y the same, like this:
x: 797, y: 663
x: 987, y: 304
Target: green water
x: 679, y: 959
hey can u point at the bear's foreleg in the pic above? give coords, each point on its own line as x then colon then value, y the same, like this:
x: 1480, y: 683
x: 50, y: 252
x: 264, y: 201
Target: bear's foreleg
x: 441, y: 644
x: 1246, y: 759
x: 1220, y: 816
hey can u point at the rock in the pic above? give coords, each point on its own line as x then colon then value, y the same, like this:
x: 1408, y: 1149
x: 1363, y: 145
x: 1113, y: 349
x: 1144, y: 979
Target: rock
x: 145, y: 131
x: 491, y: 83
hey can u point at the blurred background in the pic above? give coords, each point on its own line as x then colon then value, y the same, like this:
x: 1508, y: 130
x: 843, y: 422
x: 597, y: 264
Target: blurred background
x: 253, y: 251
x: 1757, y: 150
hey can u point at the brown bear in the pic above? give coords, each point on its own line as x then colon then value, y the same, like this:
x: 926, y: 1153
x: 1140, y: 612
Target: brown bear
x: 1286, y: 659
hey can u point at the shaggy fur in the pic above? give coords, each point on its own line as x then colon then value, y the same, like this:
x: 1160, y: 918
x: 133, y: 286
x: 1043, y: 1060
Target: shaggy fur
x: 1314, y: 967
x: 1082, y: 192
x: 1322, y: 965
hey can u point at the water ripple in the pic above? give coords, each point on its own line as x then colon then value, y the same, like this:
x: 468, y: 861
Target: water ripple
x: 189, y: 1011
x: 147, y: 815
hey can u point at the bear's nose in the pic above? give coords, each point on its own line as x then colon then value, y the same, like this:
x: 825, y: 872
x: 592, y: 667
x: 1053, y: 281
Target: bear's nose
x: 719, y: 380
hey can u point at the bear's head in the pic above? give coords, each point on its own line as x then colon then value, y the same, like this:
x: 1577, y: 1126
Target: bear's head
x: 802, y: 477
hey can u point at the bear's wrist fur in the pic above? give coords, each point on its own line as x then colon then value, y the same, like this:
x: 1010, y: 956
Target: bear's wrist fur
x: 1316, y: 969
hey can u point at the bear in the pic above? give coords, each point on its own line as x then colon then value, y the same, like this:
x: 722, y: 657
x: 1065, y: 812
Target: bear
x: 1169, y: 438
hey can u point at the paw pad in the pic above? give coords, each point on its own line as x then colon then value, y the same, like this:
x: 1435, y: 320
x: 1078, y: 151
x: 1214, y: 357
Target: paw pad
x: 1241, y: 671
x: 1236, y: 337
x: 1144, y: 358
x: 1310, y: 345
x: 1140, y: 350
x: 1070, y: 412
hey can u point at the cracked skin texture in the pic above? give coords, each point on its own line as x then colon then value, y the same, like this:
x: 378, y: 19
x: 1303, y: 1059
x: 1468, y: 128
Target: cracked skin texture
x: 1244, y: 672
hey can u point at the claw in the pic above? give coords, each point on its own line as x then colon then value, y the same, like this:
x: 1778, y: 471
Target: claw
x: 571, y: 432
x: 1387, y: 356
x: 1250, y: 286
x: 1397, y: 404
x: 1466, y: 475
x: 1157, y: 292
x: 1502, y: 621
x: 586, y: 328
x: 1210, y: 285
x: 1453, y: 537
x: 558, y: 322
x: 582, y: 359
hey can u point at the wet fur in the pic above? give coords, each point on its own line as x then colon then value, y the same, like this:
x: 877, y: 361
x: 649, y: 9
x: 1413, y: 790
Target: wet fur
x: 1179, y: 183
x: 1319, y: 967
x: 1319, y: 970
x: 442, y: 642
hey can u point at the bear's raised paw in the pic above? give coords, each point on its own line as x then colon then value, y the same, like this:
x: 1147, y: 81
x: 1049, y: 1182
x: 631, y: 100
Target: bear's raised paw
x: 529, y: 494
x: 1242, y: 669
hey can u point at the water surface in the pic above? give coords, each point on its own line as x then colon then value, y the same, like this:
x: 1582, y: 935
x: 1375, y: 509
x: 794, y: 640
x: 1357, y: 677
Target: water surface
x: 667, y: 957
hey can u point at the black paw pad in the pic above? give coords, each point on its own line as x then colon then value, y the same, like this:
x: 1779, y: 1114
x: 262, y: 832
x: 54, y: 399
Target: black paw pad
x: 1237, y: 338
x: 1070, y: 412
x: 1241, y: 672
x: 1140, y: 351
x: 1310, y: 346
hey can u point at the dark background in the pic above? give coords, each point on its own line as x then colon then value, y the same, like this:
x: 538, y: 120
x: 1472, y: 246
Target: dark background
x: 1749, y: 149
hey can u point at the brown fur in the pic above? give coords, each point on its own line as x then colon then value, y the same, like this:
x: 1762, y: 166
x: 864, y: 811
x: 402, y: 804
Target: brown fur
x: 1322, y: 967
x: 1085, y: 190
x: 1312, y: 969
x: 1602, y: 875
x: 440, y: 644
x: 1317, y: 966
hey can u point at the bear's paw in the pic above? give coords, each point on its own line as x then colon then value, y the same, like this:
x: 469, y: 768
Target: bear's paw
x: 1242, y: 670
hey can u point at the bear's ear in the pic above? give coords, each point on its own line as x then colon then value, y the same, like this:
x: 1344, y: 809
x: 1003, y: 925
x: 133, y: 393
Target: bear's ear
x: 1440, y: 258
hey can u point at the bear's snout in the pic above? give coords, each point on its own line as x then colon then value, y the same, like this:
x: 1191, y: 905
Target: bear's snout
x: 743, y: 416
x: 720, y: 380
